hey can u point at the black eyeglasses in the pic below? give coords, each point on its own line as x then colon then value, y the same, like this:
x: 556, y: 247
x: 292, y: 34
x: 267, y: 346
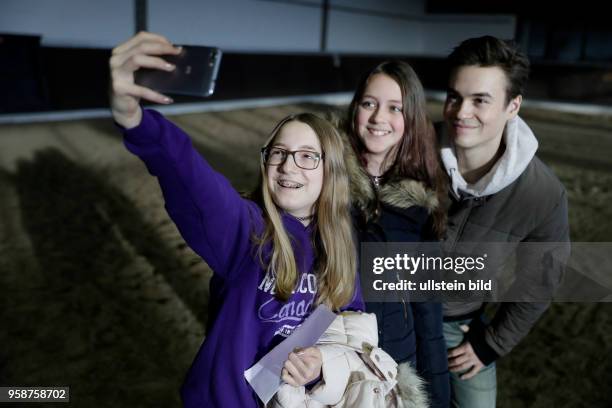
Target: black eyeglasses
x: 304, y: 159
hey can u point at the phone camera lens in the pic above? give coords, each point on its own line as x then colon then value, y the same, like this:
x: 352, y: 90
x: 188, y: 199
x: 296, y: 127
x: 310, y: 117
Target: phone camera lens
x: 213, y: 58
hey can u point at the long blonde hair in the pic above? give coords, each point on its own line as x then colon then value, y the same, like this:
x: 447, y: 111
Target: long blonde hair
x: 334, y: 247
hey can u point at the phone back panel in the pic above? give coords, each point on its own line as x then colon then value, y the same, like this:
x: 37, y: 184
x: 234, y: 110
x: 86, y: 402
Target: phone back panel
x: 195, y: 74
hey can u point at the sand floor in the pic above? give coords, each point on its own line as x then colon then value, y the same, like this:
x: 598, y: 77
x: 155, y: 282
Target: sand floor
x: 100, y: 292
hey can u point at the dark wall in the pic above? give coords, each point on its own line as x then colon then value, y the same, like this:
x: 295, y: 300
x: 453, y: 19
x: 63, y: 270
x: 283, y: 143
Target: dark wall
x: 21, y: 74
x: 38, y: 78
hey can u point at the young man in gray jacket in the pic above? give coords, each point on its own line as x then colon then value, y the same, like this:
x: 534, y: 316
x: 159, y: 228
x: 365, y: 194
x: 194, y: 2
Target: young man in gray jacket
x: 499, y: 192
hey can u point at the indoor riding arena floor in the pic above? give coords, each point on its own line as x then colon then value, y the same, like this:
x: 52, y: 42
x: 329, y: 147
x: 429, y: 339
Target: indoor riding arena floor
x: 100, y: 293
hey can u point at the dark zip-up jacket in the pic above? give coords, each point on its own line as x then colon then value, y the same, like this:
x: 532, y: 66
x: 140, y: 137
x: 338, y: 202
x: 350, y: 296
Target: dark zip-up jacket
x: 520, y: 201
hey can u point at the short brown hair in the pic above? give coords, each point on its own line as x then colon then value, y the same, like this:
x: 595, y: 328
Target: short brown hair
x: 490, y: 51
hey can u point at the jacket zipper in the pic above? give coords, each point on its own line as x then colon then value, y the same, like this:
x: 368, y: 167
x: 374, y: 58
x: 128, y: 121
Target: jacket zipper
x: 403, y: 300
x: 463, y: 222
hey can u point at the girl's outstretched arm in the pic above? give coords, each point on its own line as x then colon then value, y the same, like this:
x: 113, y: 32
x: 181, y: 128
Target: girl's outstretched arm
x: 210, y: 214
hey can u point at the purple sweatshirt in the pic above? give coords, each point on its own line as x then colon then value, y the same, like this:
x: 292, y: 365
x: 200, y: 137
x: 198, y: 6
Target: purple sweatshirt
x: 247, y: 320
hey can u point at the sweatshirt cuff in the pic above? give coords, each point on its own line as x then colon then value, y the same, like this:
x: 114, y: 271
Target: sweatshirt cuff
x: 147, y: 130
x: 476, y: 337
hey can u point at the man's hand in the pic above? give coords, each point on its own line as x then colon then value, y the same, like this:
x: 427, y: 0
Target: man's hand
x: 302, y: 367
x: 462, y: 358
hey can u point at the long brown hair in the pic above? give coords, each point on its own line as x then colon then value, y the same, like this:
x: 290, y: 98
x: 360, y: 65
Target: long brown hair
x: 333, y: 239
x: 416, y: 156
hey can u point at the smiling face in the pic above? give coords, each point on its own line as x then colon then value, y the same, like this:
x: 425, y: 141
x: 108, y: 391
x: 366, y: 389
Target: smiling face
x: 292, y: 188
x: 380, y: 119
x: 476, y: 109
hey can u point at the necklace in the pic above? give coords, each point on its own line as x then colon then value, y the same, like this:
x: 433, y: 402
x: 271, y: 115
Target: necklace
x: 304, y: 218
x: 376, y: 181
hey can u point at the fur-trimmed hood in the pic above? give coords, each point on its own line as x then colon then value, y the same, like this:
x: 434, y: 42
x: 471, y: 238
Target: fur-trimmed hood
x: 395, y: 191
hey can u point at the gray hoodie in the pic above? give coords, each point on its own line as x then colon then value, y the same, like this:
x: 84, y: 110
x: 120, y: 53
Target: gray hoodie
x: 521, y: 146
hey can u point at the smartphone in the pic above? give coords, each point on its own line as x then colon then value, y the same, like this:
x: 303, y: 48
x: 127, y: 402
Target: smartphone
x: 195, y: 74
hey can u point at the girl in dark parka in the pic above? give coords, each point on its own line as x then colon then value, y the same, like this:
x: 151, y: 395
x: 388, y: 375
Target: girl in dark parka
x: 397, y: 187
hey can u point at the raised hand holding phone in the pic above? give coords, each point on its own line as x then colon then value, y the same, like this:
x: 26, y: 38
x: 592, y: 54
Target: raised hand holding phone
x: 141, y: 51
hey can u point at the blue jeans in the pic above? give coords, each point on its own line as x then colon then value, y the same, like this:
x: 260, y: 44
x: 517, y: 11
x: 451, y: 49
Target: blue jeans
x: 479, y: 391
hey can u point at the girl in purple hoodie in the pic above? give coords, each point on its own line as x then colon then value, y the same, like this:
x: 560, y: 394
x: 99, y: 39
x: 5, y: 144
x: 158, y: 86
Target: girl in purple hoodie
x: 273, y: 257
